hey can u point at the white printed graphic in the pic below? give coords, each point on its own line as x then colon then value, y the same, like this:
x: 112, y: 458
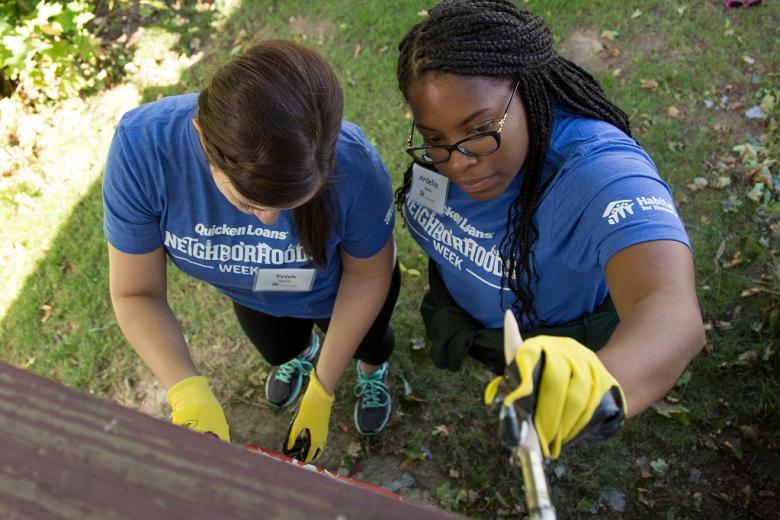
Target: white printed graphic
x: 617, y: 210
x: 389, y: 214
x: 655, y: 203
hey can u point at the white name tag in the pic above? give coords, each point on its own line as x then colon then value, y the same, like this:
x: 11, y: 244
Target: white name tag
x: 429, y: 188
x: 284, y: 280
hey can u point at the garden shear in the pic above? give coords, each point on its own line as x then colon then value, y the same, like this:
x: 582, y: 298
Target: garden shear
x: 517, y: 432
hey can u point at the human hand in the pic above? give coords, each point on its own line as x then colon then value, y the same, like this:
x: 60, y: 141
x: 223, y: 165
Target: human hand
x: 568, y: 390
x: 194, y: 406
x: 308, y: 431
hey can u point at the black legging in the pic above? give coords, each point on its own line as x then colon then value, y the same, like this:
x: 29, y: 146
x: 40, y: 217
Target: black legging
x: 281, y: 339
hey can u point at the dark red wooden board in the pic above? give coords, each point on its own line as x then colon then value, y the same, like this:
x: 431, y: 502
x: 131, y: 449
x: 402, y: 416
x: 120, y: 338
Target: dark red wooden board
x: 67, y: 454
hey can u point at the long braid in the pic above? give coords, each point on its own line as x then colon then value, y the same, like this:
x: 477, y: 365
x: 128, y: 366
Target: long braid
x: 493, y: 38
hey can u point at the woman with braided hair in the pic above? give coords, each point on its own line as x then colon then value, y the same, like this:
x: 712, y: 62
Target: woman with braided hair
x: 528, y: 193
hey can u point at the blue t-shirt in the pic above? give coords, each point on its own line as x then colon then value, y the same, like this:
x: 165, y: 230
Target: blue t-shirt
x: 158, y: 191
x: 606, y: 196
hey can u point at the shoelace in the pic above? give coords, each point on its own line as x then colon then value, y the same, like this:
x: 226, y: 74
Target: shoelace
x: 303, y: 363
x: 372, y: 389
x: 286, y: 371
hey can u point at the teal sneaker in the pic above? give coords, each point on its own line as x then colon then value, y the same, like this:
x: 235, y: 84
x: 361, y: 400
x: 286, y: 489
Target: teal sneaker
x: 374, y: 403
x: 285, y: 381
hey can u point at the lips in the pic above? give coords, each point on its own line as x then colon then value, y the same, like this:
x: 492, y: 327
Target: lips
x: 476, y: 183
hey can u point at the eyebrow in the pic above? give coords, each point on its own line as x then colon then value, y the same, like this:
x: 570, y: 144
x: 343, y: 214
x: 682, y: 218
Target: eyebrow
x: 462, y: 123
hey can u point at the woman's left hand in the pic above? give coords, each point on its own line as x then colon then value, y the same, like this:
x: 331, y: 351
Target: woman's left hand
x: 308, y: 430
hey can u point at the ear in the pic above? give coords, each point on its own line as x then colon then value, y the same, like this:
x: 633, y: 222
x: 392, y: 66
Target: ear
x: 197, y: 126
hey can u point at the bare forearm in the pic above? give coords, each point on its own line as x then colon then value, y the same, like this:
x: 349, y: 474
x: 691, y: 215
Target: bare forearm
x: 652, y: 346
x: 358, y: 302
x: 151, y: 329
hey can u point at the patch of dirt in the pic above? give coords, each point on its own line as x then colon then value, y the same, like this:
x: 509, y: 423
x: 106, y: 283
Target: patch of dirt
x: 317, y: 30
x: 373, y: 460
x: 143, y: 393
x: 594, y: 52
x: 584, y: 48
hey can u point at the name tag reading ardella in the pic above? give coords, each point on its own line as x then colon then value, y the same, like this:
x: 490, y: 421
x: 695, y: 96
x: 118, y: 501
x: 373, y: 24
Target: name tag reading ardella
x: 284, y: 280
x: 429, y: 188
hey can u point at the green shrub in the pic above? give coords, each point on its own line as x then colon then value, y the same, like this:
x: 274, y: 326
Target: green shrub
x: 46, y: 51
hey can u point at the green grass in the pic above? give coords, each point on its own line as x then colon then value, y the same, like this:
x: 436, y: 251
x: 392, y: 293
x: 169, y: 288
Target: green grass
x: 693, y: 56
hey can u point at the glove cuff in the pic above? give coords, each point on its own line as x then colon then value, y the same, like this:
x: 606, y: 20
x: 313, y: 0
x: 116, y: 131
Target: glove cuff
x: 317, y: 390
x: 188, y: 388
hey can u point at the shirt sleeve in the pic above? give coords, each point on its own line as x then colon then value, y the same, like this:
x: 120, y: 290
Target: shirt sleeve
x: 615, y: 201
x: 370, y: 217
x: 131, y: 207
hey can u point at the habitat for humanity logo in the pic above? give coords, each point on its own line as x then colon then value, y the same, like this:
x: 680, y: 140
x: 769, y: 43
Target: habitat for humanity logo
x: 618, y: 210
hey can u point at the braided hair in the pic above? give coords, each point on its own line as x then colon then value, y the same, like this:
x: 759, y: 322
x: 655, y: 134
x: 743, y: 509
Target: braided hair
x: 495, y: 39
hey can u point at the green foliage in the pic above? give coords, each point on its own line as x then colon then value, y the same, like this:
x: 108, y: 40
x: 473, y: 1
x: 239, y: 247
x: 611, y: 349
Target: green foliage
x: 46, y: 50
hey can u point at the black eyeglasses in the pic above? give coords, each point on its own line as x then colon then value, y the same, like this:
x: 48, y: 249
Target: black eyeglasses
x: 477, y: 145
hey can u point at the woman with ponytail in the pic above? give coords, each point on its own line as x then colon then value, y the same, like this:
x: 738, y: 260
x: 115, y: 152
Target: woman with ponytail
x: 528, y: 193
x: 257, y: 187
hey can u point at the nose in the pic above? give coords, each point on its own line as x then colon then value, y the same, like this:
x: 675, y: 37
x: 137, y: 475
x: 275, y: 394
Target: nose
x: 460, y: 162
x: 267, y: 217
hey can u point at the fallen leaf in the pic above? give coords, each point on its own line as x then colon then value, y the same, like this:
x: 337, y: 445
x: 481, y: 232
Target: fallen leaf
x: 734, y: 260
x: 46, y: 314
x: 673, y: 111
x: 409, y: 393
x: 642, y: 498
x: 755, y: 112
x: 660, y: 466
x: 418, y: 343
x: 748, y: 59
x: 559, y: 469
x: 440, y: 429
x: 747, y: 293
x: 613, y: 498
x: 609, y: 35
x: 636, y: 14
x: 722, y: 182
x: 353, y: 450
x: 617, y: 72
x: 454, y: 473
x: 413, y: 272
x: 698, y: 184
x: 406, y: 481
x: 648, y: 84
x: 613, y: 52
x: 356, y: 52
x: 672, y: 411
x: 749, y: 434
x: 709, y: 442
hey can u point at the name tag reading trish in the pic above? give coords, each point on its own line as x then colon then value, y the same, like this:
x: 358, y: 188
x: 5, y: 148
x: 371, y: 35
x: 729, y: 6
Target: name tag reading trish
x: 284, y: 280
x: 429, y: 188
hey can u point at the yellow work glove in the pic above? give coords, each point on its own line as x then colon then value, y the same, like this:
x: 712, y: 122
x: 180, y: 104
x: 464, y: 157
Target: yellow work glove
x: 568, y: 390
x: 195, y: 407
x: 308, y: 430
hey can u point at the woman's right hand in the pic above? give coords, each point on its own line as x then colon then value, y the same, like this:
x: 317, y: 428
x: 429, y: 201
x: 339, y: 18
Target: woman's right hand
x: 194, y: 406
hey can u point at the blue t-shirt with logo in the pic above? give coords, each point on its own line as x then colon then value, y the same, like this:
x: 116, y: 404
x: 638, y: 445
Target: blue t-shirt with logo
x: 158, y: 190
x: 607, y: 195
